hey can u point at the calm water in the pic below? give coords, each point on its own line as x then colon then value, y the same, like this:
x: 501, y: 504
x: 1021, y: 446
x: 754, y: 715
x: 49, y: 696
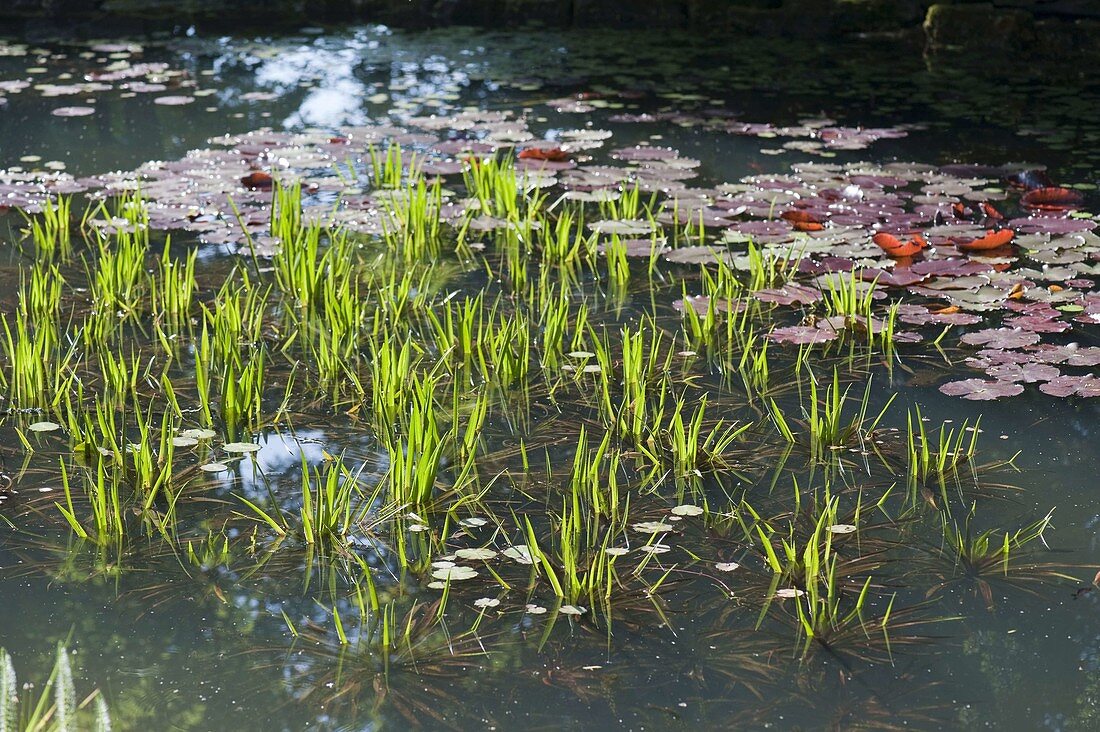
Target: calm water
x: 173, y: 645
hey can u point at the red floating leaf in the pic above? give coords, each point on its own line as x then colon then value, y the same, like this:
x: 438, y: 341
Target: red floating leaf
x: 258, y: 180
x: 898, y: 248
x: 1051, y: 198
x: 990, y: 212
x: 798, y: 216
x: 991, y: 240
x: 549, y: 154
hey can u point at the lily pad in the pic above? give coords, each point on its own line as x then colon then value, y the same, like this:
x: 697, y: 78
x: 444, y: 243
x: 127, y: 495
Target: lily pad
x: 241, y: 447
x: 454, y: 574
x: 981, y: 390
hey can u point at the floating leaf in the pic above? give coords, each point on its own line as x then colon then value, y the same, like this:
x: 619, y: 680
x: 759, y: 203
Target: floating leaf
x: 652, y: 527
x: 1051, y: 198
x: 1064, y: 386
x: 454, y: 574
x: 241, y: 447
x: 981, y: 390
x: 73, y: 111
x: 520, y: 553
x: 789, y: 592
x: 480, y: 553
x: 842, y: 529
x: 1001, y: 338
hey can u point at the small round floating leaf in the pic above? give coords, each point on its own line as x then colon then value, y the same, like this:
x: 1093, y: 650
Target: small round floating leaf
x: 841, y: 529
x: 535, y: 609
x: 73, y: 111
x: 652, y: 527
x: 44, y: 427
x: 789, y: 592
x: 182, y: 441
x: 454, y: 574
x: 520, y: 553
x: 214, y: 467
x: 198, y: 434
x: 241, y: 447
x: 654, y: 548
x: 572, y: 610
x: 480, y: 553
x: 726, y: 566
x: 486, y: 602
x: 616, y: 551
x: 173, y: 100
x: 473, y: 522
x: 687, y: 510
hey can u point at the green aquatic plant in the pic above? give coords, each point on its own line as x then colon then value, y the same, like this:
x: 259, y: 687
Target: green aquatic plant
x: 413, y: 229
x: 103, y: 493
x: 827, y: 426
x: 937, y: 460
x: 697, y: 447
x: 388, y: 169
x: 51, y: 230
x: 172, y: 290
x: 56, y: 708
x: 416, y: 446
x: 995, y: 555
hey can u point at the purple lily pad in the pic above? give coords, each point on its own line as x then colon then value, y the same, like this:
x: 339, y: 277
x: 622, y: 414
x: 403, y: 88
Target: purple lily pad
x: 1037, y: 324
x: 801, y: 335
x: 893, y: 278
x: 701, y: 304
x: 950, y: 267
x: 1029, y: 373
x: 1064, y: 386
x: 1070, y: 355
x: 981, y: 390
x: 1051, y: 225
x: 1001, y: 338
x: 789, y: 294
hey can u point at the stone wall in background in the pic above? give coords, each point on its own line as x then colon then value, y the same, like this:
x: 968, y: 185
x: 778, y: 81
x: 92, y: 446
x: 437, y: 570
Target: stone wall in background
x: 1049, y: 27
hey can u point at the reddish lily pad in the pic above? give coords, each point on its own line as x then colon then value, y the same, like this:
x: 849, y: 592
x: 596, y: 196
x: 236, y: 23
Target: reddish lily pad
x: 981, y: 390
x: 1001, y: 338
x: 1064, y: 386
x: 1029, y: 373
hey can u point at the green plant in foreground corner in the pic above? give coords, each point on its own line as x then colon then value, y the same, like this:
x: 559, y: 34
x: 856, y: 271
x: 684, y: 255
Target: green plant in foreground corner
x: 22, y: 712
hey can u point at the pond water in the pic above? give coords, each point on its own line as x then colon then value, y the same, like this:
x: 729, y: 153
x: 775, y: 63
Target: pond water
x: 398, y: 504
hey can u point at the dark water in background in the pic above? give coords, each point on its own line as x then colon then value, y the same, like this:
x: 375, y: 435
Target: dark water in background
x: 209, y: 651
